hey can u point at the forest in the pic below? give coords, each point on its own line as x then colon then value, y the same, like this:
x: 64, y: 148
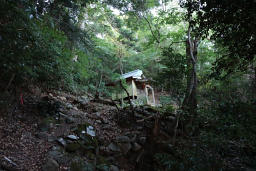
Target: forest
x: 127, y: 85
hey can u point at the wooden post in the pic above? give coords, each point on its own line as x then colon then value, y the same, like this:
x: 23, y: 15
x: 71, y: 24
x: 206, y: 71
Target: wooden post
x: 133, y: 89
x: 153, y: 95
x: 146, y: 91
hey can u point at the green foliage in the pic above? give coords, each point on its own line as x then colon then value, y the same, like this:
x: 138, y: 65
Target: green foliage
x: 230, y: 23
x: 191, y: 159
x: 172, y: 71
x: 229, y: 106
x: 51, y: 50
x: 30, y: 48
x: 171, y: 16
x: 167, y: 110
x: 237, y: 120
x: 165, y: 100
x: 166, y: 160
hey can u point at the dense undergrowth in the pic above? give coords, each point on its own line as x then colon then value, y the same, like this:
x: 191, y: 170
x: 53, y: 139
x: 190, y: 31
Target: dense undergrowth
x: 223, y: 135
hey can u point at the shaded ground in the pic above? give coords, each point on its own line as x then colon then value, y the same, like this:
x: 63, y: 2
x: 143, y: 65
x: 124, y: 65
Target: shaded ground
x: 31, y: 131
x: 18, y: 142
x: 34, y: 136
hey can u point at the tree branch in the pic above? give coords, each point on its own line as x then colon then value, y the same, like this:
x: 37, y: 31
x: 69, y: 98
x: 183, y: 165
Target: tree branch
x: 190, y: 42
x: 177, y: 42
x: 151, y: 30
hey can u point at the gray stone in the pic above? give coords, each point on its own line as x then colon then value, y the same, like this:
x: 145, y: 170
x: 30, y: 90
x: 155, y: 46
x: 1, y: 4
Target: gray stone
x: 56, y: 148
x: 97, y: 114
x: 127, y: 133
x: 69, y: 120
x: 133, y: 139
x: 125, y: 147
x: 51, y: 125
x: 98, y: 121
x: 113, y: 147
x: 103, y: 148
x: 123, y: 139
x: 56, y: 155
x: 42, y: 135
x: 90, y: 131
x: 138, y: 115
x: 105, y: 121
x: 110, y: 159
x: 139, y: 128
x: 136, y: 147
x: 62, y: 142
x: 107, y: 127
x: 51, y: 138
x: 142, y: 140
x: 69, y: 106
x: 62, y: 98
x: 50, y: 165
x: 83, y: 100
x: 73, y: 137
x: 113, y: 168
x: 171, y: 118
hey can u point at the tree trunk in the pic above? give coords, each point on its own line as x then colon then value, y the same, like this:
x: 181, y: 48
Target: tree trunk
x: 120, y: 55
x: 190, y: 102
x: 254, y: 81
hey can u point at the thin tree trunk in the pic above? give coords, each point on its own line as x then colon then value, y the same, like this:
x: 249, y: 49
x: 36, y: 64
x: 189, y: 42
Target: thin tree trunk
x: 175, y: 128
x: 9, y: 83
x: 128, y: 95
x: 97, y: 95
x: 254, y: 82
x: 120, y: 61
x: 190, y: 101
x: 253, y: 79
x: 190, y: 97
